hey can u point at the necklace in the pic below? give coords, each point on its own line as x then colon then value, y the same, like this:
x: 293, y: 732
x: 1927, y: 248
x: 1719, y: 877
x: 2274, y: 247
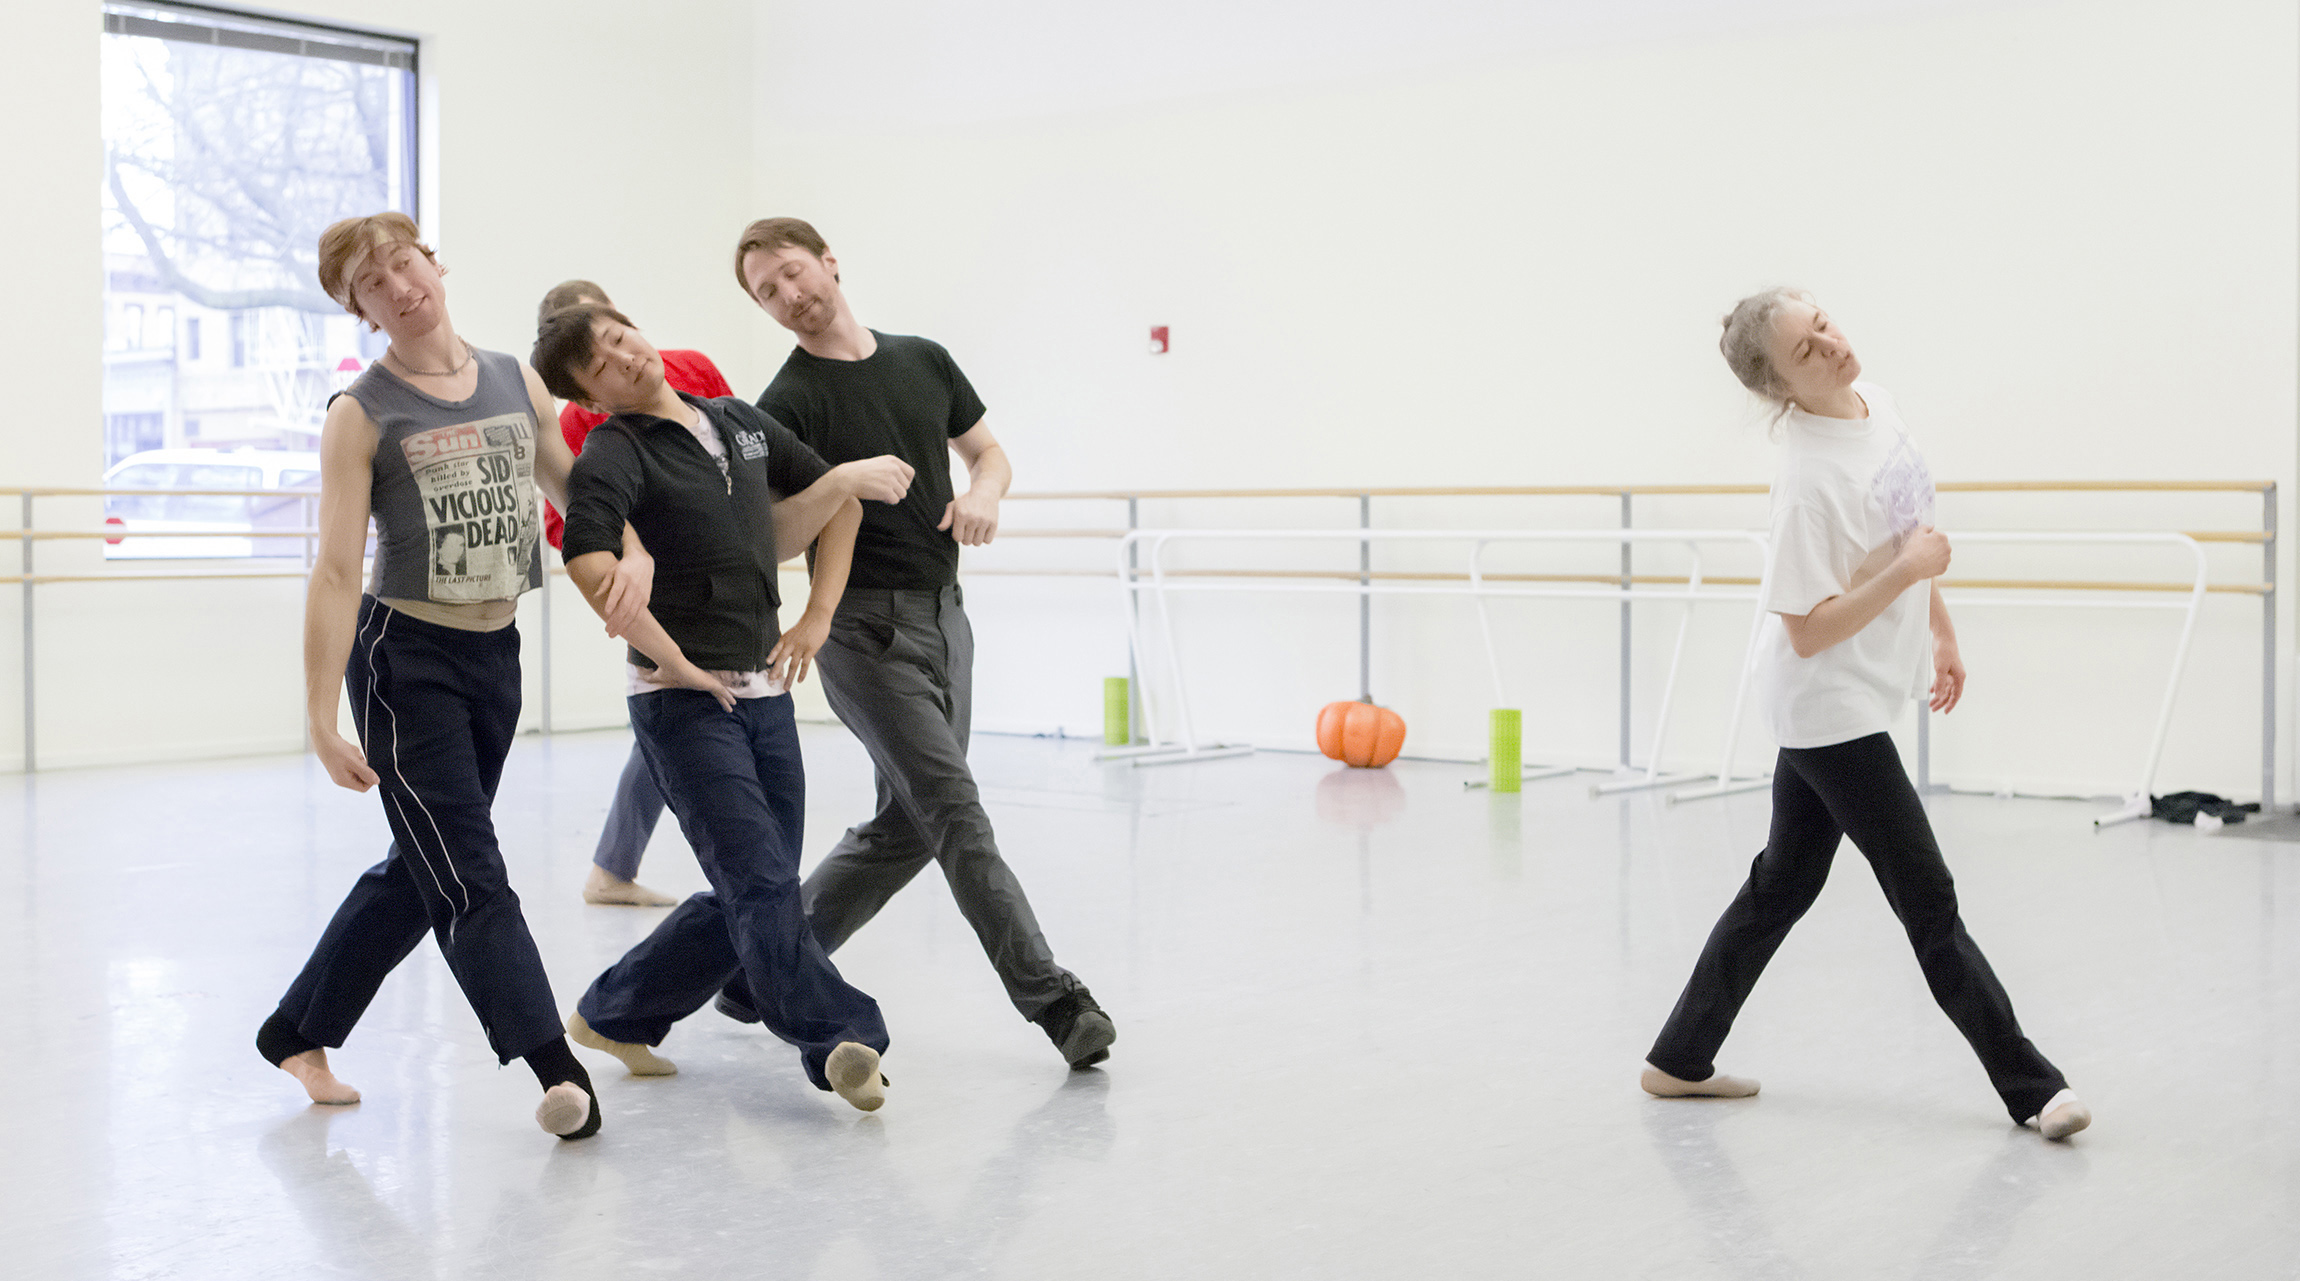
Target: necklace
x: 434, y: 373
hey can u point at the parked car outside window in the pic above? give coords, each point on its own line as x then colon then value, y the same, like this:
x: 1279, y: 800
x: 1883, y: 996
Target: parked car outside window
x: 210, y: 526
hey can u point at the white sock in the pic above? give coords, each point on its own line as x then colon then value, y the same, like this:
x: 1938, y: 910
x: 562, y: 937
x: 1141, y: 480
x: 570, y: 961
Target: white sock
x: 853, y: 1071
x: 564, y: 1109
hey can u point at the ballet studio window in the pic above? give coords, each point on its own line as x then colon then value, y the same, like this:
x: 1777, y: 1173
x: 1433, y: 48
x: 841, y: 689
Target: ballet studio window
x: 230, y: 141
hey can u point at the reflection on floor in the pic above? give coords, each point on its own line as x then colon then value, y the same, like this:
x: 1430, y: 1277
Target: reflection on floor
x: 1371, y: 1025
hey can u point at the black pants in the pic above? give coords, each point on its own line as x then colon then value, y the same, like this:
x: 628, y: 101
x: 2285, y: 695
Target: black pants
x: 1821, y: 795
x: 436, y: 708
x: 737, y: 784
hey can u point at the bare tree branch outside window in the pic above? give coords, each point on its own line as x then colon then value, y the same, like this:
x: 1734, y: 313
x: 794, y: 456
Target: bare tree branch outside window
x: 225, y: 164
x: 230, y: 142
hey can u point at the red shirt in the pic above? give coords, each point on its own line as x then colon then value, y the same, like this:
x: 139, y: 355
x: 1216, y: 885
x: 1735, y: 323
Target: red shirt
x: 689, y: 371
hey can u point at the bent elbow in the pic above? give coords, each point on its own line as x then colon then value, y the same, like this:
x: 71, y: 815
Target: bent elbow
x: 333, y: 573
x: 1804, y: 638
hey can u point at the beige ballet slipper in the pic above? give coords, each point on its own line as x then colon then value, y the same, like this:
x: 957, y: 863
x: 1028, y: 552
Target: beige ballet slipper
x: 641, y: 1059
x: 1661, y: 1085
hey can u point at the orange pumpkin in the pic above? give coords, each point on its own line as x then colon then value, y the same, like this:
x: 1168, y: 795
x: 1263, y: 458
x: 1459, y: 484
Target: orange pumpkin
x: 1360, y: 734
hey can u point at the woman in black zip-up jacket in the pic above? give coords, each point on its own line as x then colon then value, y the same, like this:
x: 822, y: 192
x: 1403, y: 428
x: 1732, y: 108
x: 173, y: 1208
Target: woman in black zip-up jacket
x: 709, y: 679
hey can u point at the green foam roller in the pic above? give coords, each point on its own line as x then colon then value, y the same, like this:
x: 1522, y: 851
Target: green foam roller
x: 1506, y: 772
x: 1116, y: 731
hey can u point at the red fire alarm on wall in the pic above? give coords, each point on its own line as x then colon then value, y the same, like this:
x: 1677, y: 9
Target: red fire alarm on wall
x: 1157, y: 340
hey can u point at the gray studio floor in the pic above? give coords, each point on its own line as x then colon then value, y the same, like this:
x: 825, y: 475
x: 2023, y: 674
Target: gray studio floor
x: 1371, y: 1025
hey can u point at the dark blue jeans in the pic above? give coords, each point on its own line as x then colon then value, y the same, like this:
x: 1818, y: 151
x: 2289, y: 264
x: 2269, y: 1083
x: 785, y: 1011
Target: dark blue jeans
x: 436, y: 708
x: 736, y: 782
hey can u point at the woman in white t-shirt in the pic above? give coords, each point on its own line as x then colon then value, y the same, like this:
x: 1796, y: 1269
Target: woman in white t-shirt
x: 1857, y: 612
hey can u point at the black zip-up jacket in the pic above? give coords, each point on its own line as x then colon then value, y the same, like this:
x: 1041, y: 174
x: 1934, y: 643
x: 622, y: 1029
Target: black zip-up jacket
x: 712, y: 535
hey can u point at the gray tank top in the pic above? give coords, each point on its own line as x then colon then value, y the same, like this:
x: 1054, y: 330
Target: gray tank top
x: 454, y: 489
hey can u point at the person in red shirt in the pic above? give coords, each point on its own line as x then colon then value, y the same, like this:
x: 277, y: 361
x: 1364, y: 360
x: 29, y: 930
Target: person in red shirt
x: 638, y: 805
x: 688, y: 371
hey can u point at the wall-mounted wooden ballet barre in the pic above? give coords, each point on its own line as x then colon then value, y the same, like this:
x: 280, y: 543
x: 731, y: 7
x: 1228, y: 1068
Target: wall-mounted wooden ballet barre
x: 180, y: 576
x: 141, y: 491
x: 2200, y: 535
x: 1721, y: 580
x: 117, y: 534
x: 1379, y: 575
x: 28, y: 536
x: 1609, y: 491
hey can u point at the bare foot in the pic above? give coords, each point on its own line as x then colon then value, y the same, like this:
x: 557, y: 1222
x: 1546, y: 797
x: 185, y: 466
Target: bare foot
x: 310, y: 1067
x: 605, y: 889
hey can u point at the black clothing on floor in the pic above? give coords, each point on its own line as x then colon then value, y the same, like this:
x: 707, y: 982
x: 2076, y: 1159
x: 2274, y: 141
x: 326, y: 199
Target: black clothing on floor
x: 2183, y: 807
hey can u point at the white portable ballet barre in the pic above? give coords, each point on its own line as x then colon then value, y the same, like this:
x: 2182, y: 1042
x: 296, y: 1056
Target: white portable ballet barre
x: 2136, y: 802
x: 1475, y: 582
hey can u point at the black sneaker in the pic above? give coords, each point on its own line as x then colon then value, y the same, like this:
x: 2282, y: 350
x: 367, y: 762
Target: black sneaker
x: 734, y: 1007
x: 1079, y: 1028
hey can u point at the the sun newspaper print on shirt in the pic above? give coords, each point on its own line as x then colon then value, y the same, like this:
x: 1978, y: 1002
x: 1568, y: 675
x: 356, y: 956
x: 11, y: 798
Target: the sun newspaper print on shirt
x: 478, y: 485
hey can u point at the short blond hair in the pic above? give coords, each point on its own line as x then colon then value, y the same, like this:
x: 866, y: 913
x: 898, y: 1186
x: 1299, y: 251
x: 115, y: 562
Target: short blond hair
x: 346, y: 246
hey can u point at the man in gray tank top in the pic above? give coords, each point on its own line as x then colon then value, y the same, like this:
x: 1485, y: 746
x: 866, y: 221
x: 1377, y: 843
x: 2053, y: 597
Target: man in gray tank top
x: 439, y: 442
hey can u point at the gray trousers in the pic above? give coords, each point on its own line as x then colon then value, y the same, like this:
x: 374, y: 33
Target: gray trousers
x: 631, y: 820
x: 899, y: 671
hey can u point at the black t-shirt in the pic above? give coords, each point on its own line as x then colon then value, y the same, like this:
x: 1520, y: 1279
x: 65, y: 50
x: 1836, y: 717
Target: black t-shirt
x: 908, y: 399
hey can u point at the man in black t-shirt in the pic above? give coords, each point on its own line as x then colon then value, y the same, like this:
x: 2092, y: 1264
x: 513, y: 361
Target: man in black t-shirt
x: 898, y: 664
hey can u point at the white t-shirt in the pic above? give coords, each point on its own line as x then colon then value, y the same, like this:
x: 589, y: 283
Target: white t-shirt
x: 644, y: 680
x: 1847, y: 495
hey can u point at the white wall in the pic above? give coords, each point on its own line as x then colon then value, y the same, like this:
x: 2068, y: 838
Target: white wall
x: 2064, y: 234
x: 1434, y: 244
